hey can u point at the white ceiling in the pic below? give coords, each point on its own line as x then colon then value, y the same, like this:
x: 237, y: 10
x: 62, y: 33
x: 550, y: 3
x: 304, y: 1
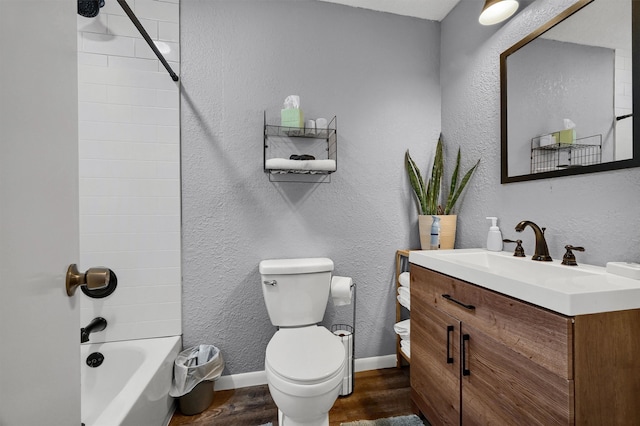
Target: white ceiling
x: 434, y: 10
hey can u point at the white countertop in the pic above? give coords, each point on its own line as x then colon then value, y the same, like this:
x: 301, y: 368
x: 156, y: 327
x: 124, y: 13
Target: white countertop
x: 568, y: 290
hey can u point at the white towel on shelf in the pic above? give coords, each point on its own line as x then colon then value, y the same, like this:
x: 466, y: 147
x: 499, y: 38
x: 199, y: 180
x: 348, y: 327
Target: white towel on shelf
x: 405, y: 346
x: 403, y: 298
x: 313, y: 165
x: 405, y: 279
x: 404, y: 292
x: 403, y: 329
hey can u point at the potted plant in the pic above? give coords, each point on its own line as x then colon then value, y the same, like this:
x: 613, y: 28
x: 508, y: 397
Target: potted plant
x: 429, y: 197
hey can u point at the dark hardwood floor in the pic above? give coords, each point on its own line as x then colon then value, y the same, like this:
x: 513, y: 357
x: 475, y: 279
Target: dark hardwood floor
x: 377, y: 394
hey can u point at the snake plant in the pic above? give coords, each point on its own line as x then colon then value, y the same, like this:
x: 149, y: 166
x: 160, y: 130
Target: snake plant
x: 428, y: 196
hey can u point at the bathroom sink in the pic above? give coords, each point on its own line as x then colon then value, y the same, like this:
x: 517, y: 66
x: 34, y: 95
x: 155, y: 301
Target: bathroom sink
x: 569, y: 290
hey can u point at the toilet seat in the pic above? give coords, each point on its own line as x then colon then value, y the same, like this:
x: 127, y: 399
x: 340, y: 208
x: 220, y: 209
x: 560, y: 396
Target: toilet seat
x: 305, y: 355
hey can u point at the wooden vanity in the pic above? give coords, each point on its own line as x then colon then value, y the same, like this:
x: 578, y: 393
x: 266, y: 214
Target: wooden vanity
x: 479, y: 357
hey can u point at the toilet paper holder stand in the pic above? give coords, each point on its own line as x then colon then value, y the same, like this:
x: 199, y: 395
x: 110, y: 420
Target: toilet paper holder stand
x: 350, y: 371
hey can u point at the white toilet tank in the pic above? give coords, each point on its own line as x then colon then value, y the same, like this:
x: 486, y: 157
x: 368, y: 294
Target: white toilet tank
x: 296, y: 291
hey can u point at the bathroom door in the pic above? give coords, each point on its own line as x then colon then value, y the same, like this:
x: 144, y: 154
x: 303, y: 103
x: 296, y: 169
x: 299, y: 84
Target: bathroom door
x: 39, y: 324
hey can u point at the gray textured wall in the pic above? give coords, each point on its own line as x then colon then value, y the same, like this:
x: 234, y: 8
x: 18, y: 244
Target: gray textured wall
x: 599, y: 211
x: 379, y: 73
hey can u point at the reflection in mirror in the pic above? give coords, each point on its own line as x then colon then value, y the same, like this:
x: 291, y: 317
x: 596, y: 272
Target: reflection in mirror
x: 567, y: 94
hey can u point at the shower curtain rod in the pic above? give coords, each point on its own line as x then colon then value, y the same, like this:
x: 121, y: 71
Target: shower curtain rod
x: 146, y: 37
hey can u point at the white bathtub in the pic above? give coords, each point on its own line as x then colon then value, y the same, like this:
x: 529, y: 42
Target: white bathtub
x: 131, y: 386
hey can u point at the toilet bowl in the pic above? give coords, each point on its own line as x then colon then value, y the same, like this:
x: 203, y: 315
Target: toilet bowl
x: 305, y: 369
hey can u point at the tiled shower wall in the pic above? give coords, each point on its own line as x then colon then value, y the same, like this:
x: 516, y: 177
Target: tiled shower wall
x: 624, y: 103
x: 130, y: 168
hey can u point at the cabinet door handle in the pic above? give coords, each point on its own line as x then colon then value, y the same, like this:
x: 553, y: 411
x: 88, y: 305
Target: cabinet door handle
x: 465, y: 370
x: 464, y: 305
x: 449, y: 357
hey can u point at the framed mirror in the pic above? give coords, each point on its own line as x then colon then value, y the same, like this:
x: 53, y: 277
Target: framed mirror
x: 567, y: 94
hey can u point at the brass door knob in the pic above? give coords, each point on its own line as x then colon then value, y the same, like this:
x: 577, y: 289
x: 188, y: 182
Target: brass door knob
x: 93, y: 279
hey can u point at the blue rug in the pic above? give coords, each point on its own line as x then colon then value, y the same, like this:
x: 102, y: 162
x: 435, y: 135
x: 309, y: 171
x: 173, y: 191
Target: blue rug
x: 411, y: 420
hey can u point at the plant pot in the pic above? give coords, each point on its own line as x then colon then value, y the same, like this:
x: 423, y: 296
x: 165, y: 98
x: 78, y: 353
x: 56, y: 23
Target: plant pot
x: 447, y: 230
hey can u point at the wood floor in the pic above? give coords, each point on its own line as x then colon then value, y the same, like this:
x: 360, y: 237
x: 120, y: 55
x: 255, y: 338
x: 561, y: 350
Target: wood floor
x: 377, y: 394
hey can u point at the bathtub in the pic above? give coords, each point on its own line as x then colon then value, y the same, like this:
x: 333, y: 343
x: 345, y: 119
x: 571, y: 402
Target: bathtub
x: 131, y: 385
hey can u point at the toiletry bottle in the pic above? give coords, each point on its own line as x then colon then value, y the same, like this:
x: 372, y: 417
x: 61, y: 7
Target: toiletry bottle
x: 434, y: 244
x: 494, y: 239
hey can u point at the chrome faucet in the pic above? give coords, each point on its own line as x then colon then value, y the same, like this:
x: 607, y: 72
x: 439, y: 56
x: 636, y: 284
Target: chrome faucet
x: 97, y: 324
x: 542, y: 251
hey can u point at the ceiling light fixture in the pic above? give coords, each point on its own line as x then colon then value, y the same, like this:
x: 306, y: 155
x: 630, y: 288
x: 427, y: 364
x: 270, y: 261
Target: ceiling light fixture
x: 495, y: 11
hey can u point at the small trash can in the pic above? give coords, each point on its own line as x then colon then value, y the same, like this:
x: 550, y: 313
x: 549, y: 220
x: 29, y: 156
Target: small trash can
x: 194, y: 371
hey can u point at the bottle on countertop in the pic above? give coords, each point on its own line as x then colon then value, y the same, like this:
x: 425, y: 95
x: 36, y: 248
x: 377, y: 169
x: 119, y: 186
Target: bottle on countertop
x: 434, y: 243
x: 494, y: 239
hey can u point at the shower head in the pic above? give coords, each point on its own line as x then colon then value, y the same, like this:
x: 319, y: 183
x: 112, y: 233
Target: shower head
x: 89, y: 8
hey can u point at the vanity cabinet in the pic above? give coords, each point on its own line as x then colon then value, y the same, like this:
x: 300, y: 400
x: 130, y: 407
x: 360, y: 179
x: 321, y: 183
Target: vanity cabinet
x: 480, y: 357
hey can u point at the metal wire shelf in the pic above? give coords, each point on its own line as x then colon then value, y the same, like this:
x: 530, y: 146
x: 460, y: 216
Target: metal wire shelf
x: 559, y: 156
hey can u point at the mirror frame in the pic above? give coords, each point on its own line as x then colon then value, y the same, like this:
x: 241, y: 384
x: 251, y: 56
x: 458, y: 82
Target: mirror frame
x: 612, y: 165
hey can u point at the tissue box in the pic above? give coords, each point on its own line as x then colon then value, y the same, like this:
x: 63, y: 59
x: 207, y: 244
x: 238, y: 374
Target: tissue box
x: 567, y: 136
x: 292, y: 117
x: 547, y: 140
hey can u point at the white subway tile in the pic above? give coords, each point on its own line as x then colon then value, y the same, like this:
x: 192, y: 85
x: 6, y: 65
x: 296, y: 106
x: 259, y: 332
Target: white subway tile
x: 89, y: 92
x: 169, y: 31
x: 97, y: 24
x: 147, y: 312
x: 122, y: 26
x: 123, y: 260
x: 129, y: 224
x: 166, y: 152
x: 168, y: 169
x: 157, y: 10
x: 624, y: 76
x: 131, y: 95
x: 115, y: 169
x: 170, y: 50
x: 108, y: 44
x: 92, y: 59
x: 127, y: 295
x: 129, y: 187
x: 168, y: 98
x: 92, y: 130
x: 132, y: 206
x: 149, y: 277
x: 175, y: 66
x: 161, y: 116
x: 624, y: 52
x: 144, y: 329
x: 133, y: 63
x: 624, y: 102
x: 169, y: 134
x: 127, y: 78
x: 93, y: 242
x: 93, y: 111
x: 119, y: 150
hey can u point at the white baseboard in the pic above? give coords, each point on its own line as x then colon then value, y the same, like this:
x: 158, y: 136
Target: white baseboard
x: 256, y: 378
x: 242, y: 380
x: 375, y: 363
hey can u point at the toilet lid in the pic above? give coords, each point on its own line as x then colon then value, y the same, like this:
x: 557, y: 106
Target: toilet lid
x: 307, y: 354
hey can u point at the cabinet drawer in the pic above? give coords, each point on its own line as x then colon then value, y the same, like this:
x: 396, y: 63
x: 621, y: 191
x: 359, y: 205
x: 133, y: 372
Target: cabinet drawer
x: 542, y: 336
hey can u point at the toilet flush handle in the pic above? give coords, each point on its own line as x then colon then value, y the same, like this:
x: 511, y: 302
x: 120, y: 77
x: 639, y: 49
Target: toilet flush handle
x: 271, y: 282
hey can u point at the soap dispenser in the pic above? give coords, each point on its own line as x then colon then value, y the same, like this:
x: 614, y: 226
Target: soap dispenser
x: 434, y: 244
x: 494, y: 239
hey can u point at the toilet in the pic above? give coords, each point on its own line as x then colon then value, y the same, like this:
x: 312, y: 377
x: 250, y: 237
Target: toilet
x: 304, y: 362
